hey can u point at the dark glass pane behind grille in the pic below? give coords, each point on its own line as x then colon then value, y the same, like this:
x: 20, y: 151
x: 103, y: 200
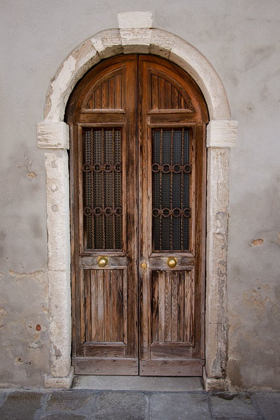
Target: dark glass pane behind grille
x: 171, y: 189
x: 102, y: 174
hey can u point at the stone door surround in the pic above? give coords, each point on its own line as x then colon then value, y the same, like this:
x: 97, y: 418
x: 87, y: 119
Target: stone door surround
x: 136, y: 35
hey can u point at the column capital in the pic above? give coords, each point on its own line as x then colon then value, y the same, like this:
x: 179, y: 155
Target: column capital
x: 221, y: 133
x: 53, y: 135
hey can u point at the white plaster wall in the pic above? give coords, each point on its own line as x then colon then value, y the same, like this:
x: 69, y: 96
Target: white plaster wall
x: 240, y: 40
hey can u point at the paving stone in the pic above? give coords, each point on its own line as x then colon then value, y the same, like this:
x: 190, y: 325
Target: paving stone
x: 62, y: 416
x: 68, y: 400
x: 179, y: 406
x: 232, y: 406
x: 20, y: 406
x: 120, y: 406
x: 269, y: 405
x: 235, y: 418
x: 3, y: 396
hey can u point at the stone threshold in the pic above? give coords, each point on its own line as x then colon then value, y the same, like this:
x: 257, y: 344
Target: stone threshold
x: 138, y: 383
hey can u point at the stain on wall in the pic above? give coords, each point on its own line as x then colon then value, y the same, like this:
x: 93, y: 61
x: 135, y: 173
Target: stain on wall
x: 24, y: 346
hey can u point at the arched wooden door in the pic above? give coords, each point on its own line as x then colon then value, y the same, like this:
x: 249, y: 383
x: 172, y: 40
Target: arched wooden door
x: 138, y: 201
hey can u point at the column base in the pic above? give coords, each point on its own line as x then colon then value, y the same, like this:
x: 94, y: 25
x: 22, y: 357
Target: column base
x: 61, y: 382
x: 215, y: 384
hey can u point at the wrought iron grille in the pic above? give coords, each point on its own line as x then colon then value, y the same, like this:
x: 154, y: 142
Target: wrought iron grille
x: 102, y: 178
x: 171, y: 170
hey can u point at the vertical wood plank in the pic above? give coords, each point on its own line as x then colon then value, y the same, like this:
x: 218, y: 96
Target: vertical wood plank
x: 118, y: 91
x: 175, y: 298
x: 145, y: 315
x: 161, y: 87
x: 161, y: 312
x: 94, y: 304
x: 174, y: 95
x: 168, y: 308
x: 82, y: 308
x: 107, y: 305
x: 182, y: 103
x: 114, y: 320
x: 155, y: 309
x: 167, y: 95
x: 90, y: 103
x: 119, y: 305
x: 124, y: 274
x: 111, y: 104
x: 181, y: 306
x: 97, y: 99
x: 87, y: 288
x: 154, y: 92
x: 100, y: 305
x: 189, y: 315
x: 105, y: 91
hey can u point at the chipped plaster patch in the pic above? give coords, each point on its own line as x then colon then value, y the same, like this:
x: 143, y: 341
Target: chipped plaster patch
x: 3, y: 313
x: 257, y: 242
x: 37, y: 275
x: 107, y: 43
x: 36, y: 345
x: 71, y: 70
x: 61, y: 82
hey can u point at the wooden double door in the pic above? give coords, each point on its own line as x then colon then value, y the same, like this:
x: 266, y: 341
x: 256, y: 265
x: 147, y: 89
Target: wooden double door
x: 138, y: 219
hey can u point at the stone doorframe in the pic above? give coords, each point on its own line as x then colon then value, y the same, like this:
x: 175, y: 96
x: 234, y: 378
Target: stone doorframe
x: 136, y: 35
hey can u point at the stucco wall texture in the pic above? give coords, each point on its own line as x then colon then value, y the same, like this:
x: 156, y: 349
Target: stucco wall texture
x: 241, y: 41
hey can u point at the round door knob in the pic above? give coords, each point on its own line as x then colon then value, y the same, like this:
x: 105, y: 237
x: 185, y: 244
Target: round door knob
x: 144, y: 265
x: 172, y: 262
x: 102, y: 261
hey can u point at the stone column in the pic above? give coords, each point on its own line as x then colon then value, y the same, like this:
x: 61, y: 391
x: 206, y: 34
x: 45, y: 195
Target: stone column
x: 54, y: 136
x: 221, y: 135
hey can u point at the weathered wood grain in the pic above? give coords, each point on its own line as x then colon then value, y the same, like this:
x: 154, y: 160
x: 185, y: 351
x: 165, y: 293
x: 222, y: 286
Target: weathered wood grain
x: 172, y: 308
x: 105, y: 366
x: 165, y: 367
x: 115, y: 306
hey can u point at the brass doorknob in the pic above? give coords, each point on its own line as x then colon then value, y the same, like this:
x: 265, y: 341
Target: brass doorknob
x: 102, y: 261
x: 172, y: 262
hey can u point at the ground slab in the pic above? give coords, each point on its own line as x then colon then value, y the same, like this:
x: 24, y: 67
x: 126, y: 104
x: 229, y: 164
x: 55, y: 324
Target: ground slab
x: 138, y: 383
x: 91, y: 404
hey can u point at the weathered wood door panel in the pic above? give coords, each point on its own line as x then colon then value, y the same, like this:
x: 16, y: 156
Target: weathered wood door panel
x: 172, y: 218
x: 138, y: 206
x: 101, y: 114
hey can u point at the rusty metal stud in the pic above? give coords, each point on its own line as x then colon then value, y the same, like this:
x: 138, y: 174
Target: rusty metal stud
x: 172, y: 262
x: 102, y: 261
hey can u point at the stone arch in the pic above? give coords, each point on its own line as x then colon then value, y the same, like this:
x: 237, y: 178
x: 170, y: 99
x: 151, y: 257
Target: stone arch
x: 112, y: 42
x: 136, y: 35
